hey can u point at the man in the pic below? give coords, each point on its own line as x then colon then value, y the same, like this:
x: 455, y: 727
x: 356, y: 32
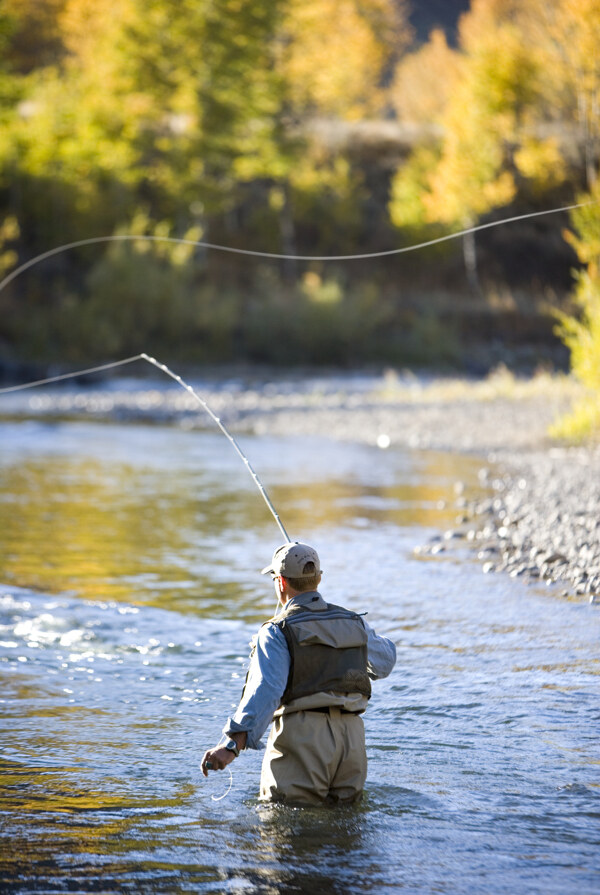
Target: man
x: 310, y: 672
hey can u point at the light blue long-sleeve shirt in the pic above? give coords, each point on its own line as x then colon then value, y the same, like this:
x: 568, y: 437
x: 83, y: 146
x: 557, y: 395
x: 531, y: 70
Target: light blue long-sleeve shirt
x: 269, y: 670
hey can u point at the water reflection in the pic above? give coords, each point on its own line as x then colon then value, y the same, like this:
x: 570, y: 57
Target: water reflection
x: 84, y: 510
x: 303, y: 851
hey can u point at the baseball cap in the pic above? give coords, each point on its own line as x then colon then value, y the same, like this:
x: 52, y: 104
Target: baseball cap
x: 290, y: 561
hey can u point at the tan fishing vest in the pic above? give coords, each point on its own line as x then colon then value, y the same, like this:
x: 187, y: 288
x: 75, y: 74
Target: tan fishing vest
x: 328, y: 650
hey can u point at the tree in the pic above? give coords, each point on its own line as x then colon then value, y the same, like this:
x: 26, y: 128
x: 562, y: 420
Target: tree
x: 334, y: 53
x: 488, y: 138
x: 424, y: 80
x: 567, y: 35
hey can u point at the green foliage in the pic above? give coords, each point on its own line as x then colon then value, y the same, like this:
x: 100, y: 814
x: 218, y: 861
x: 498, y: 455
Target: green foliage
x: 409, y: 186
x: 581, y: 332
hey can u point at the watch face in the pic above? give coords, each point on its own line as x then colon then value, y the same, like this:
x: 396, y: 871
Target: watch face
x: 231, y: 745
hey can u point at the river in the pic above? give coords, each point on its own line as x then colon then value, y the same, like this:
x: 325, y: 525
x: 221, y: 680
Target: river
x: 129, y: 589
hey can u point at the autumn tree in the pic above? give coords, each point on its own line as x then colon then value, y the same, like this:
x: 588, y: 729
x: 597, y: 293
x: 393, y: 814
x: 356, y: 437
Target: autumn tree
x: 488, y: 136
x: 334, y: 54
x: 424, y: 80
x: 566, y: 35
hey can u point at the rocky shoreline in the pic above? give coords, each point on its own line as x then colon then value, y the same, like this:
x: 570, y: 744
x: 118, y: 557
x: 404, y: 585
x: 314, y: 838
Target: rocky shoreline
x: 542, y: 518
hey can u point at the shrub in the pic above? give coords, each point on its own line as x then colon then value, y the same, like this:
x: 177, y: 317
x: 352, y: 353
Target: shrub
x: 581, y: 332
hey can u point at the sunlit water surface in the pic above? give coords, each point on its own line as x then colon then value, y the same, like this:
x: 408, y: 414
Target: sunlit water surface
x: 129, y: 563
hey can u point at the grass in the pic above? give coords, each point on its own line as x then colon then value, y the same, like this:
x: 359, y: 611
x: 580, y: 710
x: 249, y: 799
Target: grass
x: 501, y: 383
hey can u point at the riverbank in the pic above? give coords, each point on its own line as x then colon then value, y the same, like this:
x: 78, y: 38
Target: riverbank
x: 542, y: 521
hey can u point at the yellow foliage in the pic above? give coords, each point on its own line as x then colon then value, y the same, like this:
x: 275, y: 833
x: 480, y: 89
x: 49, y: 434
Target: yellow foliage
x: 319, y: 291
x: 88, y: 26
x: 9, y: 231
x: 566, y: 34
x: 159, y: 245
x: 581, y: 333
x: 487, y: 111
x: 541, y: 162
x: 484, y: 17
x: 335, y: 53
x: 409, y: 188
x: 569, y: 31
x: 581, y: 424
x: 424, y: 80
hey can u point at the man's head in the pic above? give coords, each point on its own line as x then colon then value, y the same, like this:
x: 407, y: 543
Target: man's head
x: 299, y: 566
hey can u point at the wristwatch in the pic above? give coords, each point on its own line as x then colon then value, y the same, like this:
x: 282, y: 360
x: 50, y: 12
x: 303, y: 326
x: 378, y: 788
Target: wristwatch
x: 233, y: 747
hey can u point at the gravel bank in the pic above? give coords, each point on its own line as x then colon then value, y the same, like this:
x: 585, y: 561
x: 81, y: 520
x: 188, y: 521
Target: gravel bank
x: 543, y: 521
x: 543, y: 518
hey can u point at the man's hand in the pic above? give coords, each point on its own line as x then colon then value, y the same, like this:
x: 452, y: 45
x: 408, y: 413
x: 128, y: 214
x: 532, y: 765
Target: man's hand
x: 216, y: 759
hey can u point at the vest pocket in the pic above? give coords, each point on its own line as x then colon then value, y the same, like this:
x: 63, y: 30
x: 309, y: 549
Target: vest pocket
x: 339, y: 633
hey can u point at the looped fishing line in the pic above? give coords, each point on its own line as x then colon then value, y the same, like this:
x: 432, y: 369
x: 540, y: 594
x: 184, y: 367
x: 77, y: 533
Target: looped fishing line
x: 227, y: 791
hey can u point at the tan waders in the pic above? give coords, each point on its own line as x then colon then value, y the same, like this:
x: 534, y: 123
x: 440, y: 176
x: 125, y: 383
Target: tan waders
x: 315, y: 757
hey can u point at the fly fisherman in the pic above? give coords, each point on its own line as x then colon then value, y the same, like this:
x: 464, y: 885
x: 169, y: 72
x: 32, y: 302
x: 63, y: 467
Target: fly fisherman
x: 310, y: 672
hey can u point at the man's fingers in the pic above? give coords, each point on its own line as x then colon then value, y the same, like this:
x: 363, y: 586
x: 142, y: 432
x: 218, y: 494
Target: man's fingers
x: 207, y: 763
x: 216, y: 760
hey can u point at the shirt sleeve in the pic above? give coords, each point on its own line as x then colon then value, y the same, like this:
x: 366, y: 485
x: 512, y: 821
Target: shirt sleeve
x: 382, y: 654
x: 266, y: 681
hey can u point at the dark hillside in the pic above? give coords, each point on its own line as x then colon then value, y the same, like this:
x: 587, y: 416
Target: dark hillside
x: 428, y: 14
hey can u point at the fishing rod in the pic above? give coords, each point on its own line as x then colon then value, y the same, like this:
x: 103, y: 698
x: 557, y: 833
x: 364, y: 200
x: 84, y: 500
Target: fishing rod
x: 164, y: 369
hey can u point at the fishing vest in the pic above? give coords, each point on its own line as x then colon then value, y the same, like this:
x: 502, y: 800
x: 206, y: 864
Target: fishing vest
x: 328, y: 650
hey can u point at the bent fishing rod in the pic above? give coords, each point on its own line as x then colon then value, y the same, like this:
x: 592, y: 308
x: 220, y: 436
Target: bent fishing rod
x: 164, y: 369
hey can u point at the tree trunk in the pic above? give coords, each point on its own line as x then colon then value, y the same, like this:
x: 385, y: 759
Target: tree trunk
x: 470, y: 259
x: 288, y: 237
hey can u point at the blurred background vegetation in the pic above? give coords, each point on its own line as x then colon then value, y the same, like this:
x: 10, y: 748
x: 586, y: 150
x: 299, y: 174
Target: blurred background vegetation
x: 310, y: 127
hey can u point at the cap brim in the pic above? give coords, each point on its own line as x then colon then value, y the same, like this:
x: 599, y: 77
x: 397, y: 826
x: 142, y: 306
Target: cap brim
x: 268, y: 569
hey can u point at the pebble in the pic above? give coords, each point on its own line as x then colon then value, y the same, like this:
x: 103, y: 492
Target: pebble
x: 543, y: 519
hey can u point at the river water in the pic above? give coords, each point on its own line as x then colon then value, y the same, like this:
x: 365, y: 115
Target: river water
x: 129, y: 589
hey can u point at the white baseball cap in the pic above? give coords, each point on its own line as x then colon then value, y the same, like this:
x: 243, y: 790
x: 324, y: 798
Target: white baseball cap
x: 290, y: 560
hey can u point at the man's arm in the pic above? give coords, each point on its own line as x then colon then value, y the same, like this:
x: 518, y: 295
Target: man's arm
x: 265, y: 683
x: 382, y: 654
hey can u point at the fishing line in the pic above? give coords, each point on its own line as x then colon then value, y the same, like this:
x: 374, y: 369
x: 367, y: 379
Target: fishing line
x: 276, y: 256
x: 226, y: 793
x: 118, y: 363
x: 164, y: 369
